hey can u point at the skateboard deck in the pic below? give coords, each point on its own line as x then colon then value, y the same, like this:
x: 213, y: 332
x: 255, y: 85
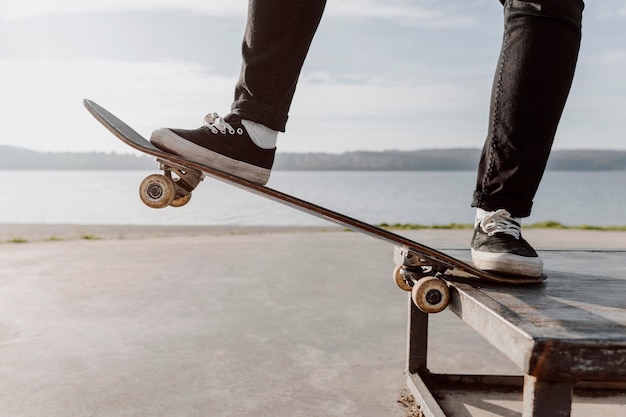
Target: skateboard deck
x: 419, y: 268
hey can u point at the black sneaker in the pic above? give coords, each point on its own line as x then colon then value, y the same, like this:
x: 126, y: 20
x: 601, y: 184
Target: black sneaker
x: 498, y: 246
x: 221, y: 143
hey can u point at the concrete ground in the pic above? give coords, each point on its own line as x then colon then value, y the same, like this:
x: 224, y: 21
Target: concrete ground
x: 131, y: 321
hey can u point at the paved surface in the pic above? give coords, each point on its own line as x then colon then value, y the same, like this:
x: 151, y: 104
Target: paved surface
x: 272, y: 323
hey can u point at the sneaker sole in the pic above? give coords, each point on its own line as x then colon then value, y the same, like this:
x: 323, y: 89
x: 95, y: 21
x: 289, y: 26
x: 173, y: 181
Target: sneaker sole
x: 168, y: 141
x: 506, y: 263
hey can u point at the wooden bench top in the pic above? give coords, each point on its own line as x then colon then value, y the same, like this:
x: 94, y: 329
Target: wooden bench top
x: 571, y: 327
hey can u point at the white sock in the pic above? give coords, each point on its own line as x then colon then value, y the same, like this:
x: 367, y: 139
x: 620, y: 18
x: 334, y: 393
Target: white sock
x: 480, y: 214
x: 261, y: 135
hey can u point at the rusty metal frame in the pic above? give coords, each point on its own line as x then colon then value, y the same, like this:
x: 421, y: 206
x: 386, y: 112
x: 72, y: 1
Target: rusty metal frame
x: 541, y: 398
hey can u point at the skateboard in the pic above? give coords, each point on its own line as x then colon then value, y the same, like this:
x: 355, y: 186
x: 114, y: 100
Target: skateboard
x: 420, y: 269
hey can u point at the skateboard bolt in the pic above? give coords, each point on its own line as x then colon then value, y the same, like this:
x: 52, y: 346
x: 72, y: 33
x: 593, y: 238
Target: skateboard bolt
x: 154, y: 191
x: 433, y: 297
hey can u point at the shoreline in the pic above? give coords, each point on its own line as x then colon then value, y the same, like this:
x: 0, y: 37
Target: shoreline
x: 540, y: 238
x: 21, y: 233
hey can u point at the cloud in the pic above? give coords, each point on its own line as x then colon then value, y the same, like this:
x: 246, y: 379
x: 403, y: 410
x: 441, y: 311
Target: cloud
x: 336, y: 114
x: 41, y: 100
x: 41, y: 104
x: 376, y: 96
x: 414, y: 13
x: 613, y: 57
x: 368, y: 83
x: 604, y: 10
x: 422, y: 13
x: 35, y: 8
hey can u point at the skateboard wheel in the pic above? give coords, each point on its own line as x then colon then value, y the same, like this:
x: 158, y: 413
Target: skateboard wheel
x: 182, y: 196
x: 157, y: 191
x: 399, y: 279
x: 431, y: 295
x: 180, y: 200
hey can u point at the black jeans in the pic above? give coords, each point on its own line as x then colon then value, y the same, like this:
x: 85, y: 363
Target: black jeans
x: 276, y: 42
x: 533, y: 78
x: 532, y: 82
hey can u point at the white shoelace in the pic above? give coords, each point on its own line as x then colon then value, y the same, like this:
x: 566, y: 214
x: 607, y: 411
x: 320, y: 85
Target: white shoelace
x: 501, y: 221
x: 217, y: 124
x: 261, y: 135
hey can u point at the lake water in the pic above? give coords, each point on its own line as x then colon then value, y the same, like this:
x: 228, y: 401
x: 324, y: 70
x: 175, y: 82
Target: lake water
x: 110, y: 197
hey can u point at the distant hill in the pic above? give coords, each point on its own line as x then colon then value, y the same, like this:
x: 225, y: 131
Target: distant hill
x: 424, y: 160
x: 596, y: 160
x: 441, y: 160
x: 14, y: 158
x: 24, y: 159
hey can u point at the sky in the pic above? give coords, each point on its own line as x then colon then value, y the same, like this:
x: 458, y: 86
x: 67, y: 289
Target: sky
x: 397, y: 74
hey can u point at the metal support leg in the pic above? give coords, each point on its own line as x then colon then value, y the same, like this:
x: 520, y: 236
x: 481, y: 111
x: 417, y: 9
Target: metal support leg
x: 547, y: 398
x: 417, y: 346
x: 417, y: 340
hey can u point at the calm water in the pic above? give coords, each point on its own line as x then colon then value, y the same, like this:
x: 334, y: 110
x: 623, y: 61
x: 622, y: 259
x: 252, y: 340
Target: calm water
x: 96, y: 197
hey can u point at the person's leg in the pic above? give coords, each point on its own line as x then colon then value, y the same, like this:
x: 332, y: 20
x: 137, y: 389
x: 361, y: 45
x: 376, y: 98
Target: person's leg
x: 277, y: 38
x: 533, y: 78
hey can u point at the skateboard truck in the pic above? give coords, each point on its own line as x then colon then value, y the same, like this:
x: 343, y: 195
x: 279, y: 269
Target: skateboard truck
x: 162, y: 190
x: 422, y: 277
